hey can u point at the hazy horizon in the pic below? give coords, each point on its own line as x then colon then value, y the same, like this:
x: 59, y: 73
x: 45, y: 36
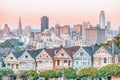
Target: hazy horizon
x: 69, y: 12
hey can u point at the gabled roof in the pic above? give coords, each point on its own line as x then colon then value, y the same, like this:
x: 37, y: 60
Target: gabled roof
x: 34, y: 53
x: 18, y: 53
x: 70, y: 51
x: 109, y: 49
x: 91, y: 49
x: 51, y: 52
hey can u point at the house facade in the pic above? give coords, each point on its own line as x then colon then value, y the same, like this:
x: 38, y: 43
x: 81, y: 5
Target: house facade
x: 11, y: 61
x: 63, y: 58
x: 27, y: 60
x: 44, y: 60
x: 105, y: 55
x: 82, y: 58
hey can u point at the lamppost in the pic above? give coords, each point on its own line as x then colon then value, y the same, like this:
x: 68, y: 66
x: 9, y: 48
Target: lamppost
x: 62, y: 71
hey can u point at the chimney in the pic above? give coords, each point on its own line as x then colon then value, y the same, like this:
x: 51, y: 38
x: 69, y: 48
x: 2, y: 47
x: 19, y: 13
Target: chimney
x: 113, y: 48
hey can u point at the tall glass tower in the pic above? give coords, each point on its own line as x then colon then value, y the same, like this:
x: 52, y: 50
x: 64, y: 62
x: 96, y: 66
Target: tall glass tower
x: 102, y: 20
x: 44, y: 23
x: 19, y: 27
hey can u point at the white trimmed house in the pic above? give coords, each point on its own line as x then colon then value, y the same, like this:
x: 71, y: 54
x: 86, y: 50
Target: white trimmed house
x: 106, y: 55
x: 63, y: 57
x: 83, y: 57
x: 45, y: 60
x: 11, y: 61
x: 27, y: 60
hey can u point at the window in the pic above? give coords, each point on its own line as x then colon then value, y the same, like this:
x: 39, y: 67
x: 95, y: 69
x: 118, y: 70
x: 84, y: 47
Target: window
x: 44, y: 55
x: 62, y: 54
x: 26, y: 56
x: 102, y: 52
x: 16, y: 66
x: 84, y: 63
x: 58, y: 62
x: 105, y: 60
x: 76, y: 62
x: 12, y: 65
x: 11, y: 57
x: 65, y: 61
x: 8, y: 64
x: 81, y: 53
x: 40, y: 62
x: 69, y: 63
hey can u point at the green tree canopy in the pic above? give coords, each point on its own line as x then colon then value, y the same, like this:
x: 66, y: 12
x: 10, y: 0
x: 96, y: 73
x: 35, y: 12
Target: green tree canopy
x: 32, y: 73
x: 6, y: 71
x: 116, y: 40
x: 70, y: 73
x: 6, y: 44
x: 109, y: 70
x: 90, y: 72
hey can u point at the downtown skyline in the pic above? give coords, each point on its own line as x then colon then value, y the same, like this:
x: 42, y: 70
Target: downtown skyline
x: 60, y: 11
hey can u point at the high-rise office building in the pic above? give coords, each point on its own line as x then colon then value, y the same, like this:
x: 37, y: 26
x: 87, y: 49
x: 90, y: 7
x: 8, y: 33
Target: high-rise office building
x: 19, y: 27
x: 6, y: 29
x: 44, y: 23
x: 78, y: 30
x: 108, y: 25
x: 62, y: 29
x: 27, y: 30
x: 95, y: 35
x: 102, y: 20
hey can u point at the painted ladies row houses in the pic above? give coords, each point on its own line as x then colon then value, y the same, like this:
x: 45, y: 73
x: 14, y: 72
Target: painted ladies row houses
x: 76, y: 57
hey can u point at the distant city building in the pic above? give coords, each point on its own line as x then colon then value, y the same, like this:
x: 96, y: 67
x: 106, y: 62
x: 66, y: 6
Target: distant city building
x: 102, y: 20
x: 60, y: 30
x: 6, y: 29
x: 108, y: 25
x: 27, y: 30
x: 78, y: 30
x: 44, y: 23
x: 95, y: 35
x: 15, y: 32
x: 19, y: 27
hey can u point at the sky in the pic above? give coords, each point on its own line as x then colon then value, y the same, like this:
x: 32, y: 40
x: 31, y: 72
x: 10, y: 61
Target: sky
x: 64, y: 12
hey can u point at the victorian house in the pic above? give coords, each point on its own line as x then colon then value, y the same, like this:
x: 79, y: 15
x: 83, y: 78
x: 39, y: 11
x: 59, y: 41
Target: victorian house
x: 27, y: 60
x: 11, y: 61
x: 83, y: 57
x: 63, y: 57
x: 45, y: 60
x: 106, y: 55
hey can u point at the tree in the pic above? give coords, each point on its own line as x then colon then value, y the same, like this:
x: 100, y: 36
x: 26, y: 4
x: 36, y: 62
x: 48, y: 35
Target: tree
x: 45, y: 74
x: 6, y: 72
x: 116, y: 40
x: 90, y: 72
x: 32, y: 73
x: 109, y: 70
x: 17, y: 49
x: 6, y: 44
x: 70, y: 73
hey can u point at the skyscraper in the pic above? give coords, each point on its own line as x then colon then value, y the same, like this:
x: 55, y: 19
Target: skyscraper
x: 102, y: 19
x: 44, y: 23
x: 19, y: 27
x: 6, y: 29
x: 27, y: 30
x: 95, y: 35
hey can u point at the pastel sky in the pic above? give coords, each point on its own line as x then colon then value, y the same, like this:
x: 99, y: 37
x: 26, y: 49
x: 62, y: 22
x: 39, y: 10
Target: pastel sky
x: 59, y: 11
